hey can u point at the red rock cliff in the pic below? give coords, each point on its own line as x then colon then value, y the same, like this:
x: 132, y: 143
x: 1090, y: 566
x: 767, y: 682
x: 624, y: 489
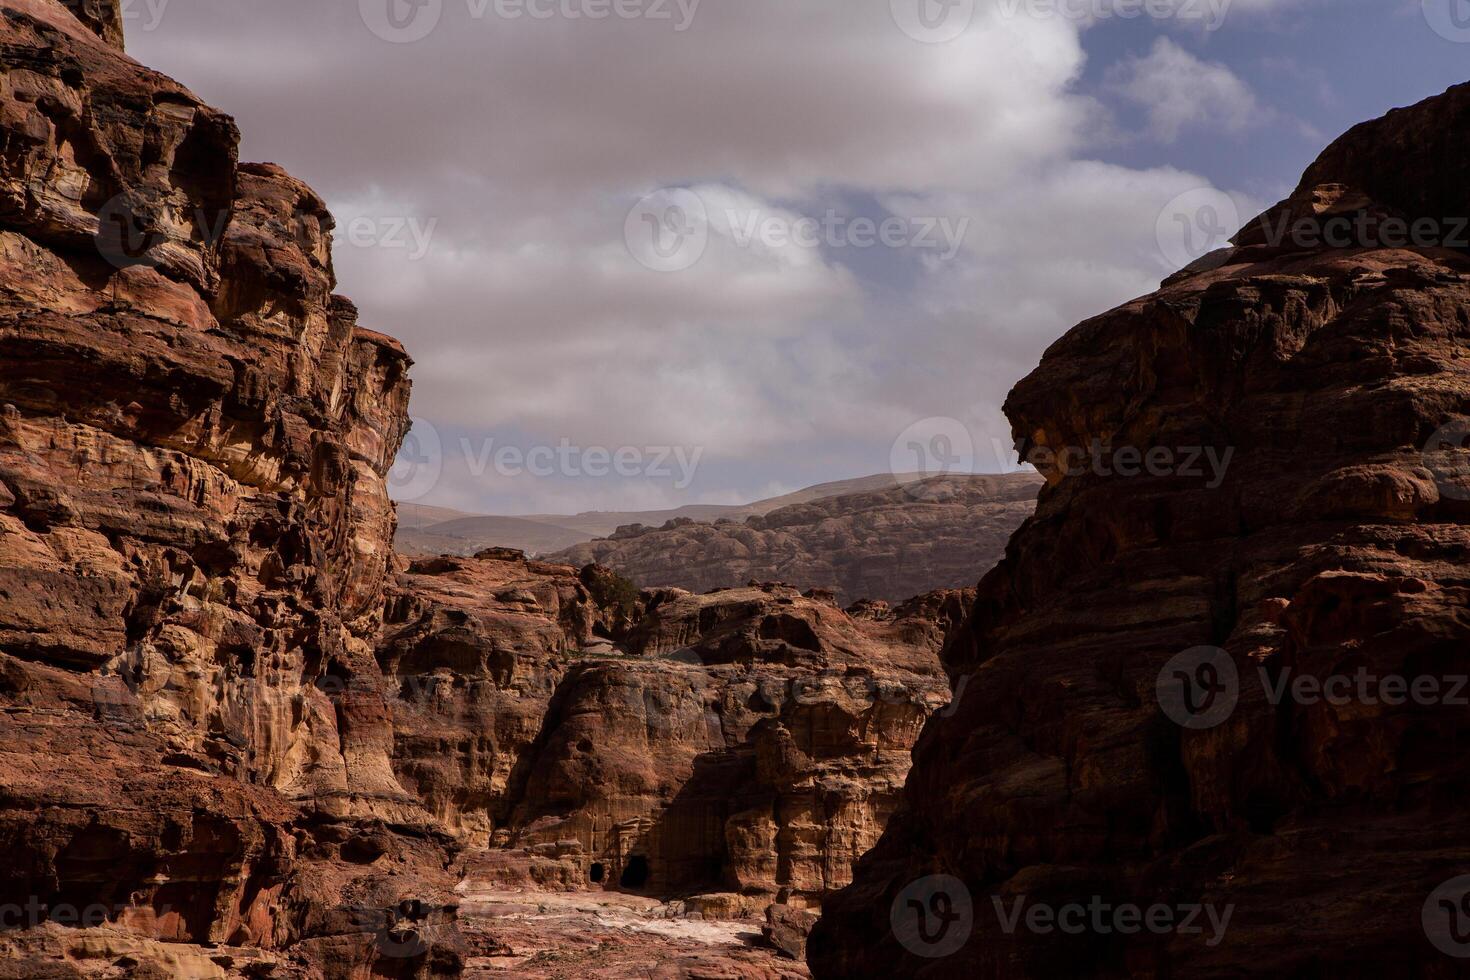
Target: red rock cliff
x: 1328, y: 830
x: 194, y: 539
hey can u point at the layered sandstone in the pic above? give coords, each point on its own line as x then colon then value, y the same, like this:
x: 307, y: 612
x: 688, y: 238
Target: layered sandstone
x: 194, y: 538
x: 1338, y: 545
x: 746, y: 742
x: 888, y: 544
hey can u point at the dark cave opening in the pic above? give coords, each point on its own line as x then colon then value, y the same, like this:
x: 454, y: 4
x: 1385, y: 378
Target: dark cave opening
x: 635, y: 875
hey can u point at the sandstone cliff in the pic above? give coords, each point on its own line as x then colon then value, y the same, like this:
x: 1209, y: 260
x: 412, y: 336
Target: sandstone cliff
x: 1120, y: 739
x: 885, y: 544
x: 240, y: 737
x: 194, y: 539
x: 750, y: 741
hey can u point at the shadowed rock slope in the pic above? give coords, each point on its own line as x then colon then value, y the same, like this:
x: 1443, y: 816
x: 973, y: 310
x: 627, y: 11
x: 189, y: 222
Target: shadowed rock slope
x: 884, y: 544
x: 1338, y: 546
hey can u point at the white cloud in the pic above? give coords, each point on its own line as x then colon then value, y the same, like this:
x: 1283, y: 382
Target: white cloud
x: 526, y: 143
x: 1179, y: 91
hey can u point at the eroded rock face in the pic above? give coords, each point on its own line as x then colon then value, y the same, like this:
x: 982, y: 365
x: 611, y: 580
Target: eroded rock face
x: 750, y: 741
x: 888, y: 544
x: 476, y: 649
x: 194, y: 538
x: 1337, y: 546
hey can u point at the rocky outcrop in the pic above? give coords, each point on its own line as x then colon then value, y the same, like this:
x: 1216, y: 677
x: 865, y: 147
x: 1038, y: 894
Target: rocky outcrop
x: 194, y: 541
x: 749, y: 741
x: 476, y: 649
x: 1213, y: 732
x: 753, y: 741
x: 883, y: 544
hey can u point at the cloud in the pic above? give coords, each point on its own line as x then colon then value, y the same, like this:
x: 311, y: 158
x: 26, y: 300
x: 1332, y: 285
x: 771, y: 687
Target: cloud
x: 518, y: 149
x: 1179, y: 91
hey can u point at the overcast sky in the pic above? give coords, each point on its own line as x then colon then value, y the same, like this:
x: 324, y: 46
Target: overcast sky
x: 759, y: 244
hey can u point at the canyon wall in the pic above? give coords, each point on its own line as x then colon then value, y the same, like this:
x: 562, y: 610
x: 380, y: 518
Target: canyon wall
x: 750, y: 742
x: 194, y: 541
x: 1235, y: 714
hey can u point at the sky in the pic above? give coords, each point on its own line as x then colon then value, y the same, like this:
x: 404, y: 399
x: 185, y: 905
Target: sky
x: 648, y: 253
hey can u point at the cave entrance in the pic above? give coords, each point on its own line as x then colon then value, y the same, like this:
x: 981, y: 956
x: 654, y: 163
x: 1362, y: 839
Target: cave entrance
x: 635, y: 875
x: 596, y: 872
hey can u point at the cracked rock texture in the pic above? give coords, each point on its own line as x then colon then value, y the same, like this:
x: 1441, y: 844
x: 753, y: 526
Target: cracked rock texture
x: 1338, y: 543
x: 194, y: 540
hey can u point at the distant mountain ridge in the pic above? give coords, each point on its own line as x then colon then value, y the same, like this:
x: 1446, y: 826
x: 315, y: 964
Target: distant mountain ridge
x: 887, y: 543
x: 424, y: 530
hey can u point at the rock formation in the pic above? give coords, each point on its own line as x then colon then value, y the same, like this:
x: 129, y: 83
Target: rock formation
x: 748, y: 742
x: 885, y: 544
x: 194, y: 539
x: 1136, y: 724
x: 240, y: 737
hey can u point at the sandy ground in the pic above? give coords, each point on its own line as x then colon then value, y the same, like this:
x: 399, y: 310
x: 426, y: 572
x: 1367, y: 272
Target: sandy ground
x: 609, y: 935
